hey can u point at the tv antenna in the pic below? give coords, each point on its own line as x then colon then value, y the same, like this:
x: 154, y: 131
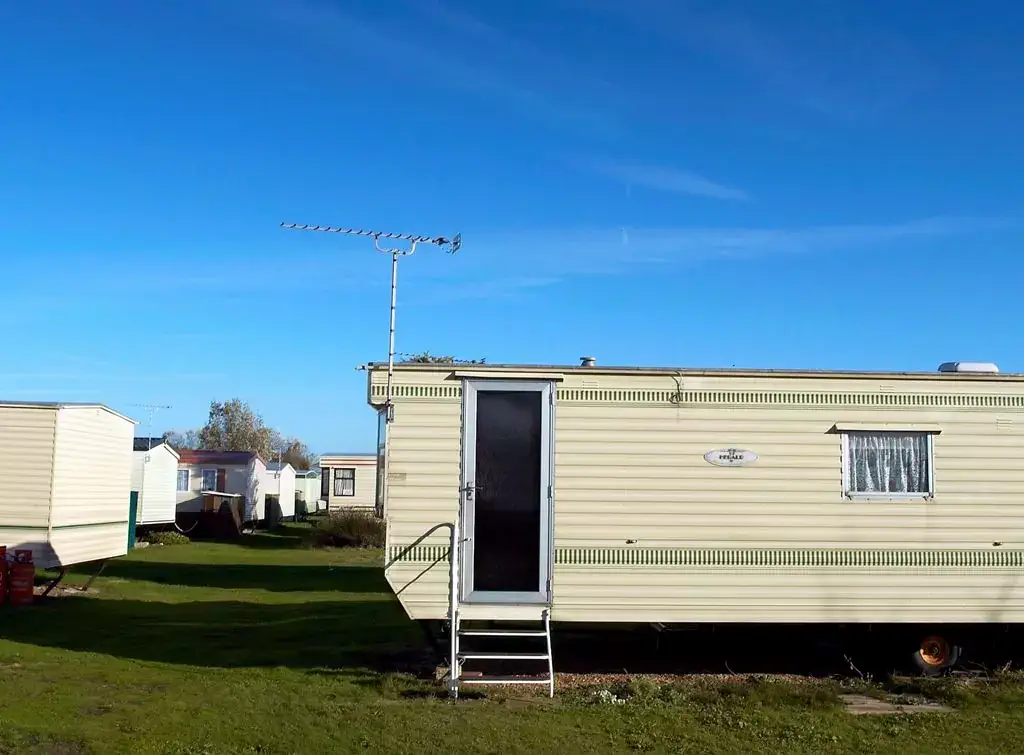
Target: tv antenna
x: 151, y: 410
x: 451, y: 246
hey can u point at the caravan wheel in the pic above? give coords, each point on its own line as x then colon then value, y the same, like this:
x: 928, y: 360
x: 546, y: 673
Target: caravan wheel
x: 935, y: 654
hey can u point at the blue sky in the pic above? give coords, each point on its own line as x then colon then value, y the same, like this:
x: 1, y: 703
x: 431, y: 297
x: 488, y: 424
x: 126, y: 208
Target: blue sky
x: 787, y: 184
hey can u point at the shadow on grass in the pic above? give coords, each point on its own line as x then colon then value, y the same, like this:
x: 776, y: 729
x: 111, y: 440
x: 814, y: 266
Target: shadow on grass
x: 300, y: 578
x: 285, y: 537
x: 226, y: 634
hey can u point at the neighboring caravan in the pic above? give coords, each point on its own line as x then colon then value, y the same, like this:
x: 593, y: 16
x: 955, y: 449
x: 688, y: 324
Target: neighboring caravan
x: 235, y: 472
x: 154, y: 478
x: 593, y: 494
x: 349, y: 481
x: 307, y: 488
x: 279, y: 491
x: 65, y: 481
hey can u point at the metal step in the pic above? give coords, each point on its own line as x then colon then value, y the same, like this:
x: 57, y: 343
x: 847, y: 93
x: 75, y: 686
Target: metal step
x: 502, y: 633
x: 504, y: 680
x: 495, y: 656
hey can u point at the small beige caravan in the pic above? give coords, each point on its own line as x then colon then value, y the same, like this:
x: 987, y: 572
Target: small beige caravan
x: 349, y: 481
x: 594, y: 494
x: 65, y: 481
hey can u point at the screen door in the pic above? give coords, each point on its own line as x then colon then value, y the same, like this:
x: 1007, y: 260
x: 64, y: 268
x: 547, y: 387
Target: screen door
x: 506, y: 484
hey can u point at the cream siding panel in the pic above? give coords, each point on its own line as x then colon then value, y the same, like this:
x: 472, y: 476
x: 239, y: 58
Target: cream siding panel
x: 156, y: 482
x: 26, y: 467
x: 424, y: 473
x: 365, y: 480
x: 91, y: 484
x: 138, y: 475
x: 92, y: 472
x: 787, y: 597
x: 286, y: 488
x: 189, y: 501
x: 271, y: 483
x: 635, y: 500
x: 34, y: 539
x: 309, y: 489
x: 281, y: 484
x: 75, y: 545
x: 422, y: 494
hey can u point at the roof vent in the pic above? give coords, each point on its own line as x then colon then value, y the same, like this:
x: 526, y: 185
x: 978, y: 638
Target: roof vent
x: 968, y: 367
x: 587, y: 361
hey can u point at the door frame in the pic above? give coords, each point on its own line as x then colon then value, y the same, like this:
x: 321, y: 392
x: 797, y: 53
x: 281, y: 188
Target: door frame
x: 546, y: 389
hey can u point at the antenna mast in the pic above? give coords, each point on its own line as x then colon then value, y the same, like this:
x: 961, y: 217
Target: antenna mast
x: 451, y: 246
x: 151, y: 410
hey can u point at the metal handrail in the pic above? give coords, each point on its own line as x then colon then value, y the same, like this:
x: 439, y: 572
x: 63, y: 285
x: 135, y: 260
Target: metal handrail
x: 453, y: 602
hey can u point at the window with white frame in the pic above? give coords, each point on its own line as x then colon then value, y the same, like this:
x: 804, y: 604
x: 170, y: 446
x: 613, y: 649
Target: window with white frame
x: 345, y: 481
x: 888, y: 464
x: 209, y: 479
x: 183, y: 480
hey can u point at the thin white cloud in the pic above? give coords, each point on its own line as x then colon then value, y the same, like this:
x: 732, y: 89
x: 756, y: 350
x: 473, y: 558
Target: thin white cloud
x: 441, y: 292
x: 522, y: 56
x: 433, y: 55
x: 665, y: 178
x: 563, y: 253
x: 492, y: 265
x: 38, y: 393
x: 824, y: 64
x: 226, y: 276
x: 84, y: 375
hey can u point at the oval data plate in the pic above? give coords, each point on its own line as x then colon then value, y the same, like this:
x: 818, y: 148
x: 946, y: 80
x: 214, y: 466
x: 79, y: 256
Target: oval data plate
x: 730, y: 457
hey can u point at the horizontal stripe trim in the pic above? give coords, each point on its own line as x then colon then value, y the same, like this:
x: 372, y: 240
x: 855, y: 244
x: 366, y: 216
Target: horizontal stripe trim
x: 788, y: 558
x: 767, y: 558
x: 418, y: 553
x: 453, y: 392
x: 62, y: 526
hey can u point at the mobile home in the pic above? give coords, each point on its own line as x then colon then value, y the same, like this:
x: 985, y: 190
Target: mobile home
x: 349, y: 481
x: 154, y: 478
x: 308, y: 489
x: 668, y: 496
x: 235, y: 472
x: 65, y: 481
x: 279, y: 485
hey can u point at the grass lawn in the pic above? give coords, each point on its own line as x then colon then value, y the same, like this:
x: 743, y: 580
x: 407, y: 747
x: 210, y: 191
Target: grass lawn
x: 268, y: 647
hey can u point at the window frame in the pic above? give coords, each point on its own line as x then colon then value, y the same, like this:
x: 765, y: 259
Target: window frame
x: 380, y: 479
x: 341, y: 478
x: 203, y: 478
x: 929, y: 436
x: 188, y: 481
x: 325, y: 482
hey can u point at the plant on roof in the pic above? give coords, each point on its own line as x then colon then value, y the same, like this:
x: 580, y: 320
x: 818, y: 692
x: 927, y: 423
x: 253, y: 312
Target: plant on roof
x: 427, y: 358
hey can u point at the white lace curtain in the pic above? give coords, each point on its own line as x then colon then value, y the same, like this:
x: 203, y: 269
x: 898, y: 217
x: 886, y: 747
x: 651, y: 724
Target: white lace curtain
x: 889, y: 463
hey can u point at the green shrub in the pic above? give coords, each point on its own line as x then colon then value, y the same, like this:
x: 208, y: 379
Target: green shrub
x: 349, y: 529
x: 169, y: 537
